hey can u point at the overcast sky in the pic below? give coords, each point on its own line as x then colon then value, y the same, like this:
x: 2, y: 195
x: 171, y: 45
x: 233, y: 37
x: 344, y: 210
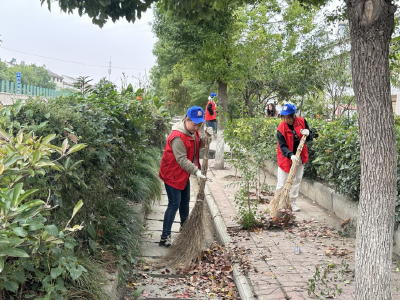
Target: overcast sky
x: 28, y: 27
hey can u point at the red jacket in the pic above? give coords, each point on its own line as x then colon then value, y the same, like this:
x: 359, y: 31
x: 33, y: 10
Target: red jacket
x: 208, y: 116
x: 283, y: 162
x: 170, y: 171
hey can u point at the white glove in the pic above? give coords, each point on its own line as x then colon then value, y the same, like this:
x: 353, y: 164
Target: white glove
x: 209, y: 98
x: 209, y: 130
x: 199, y: 175
x: 305, y: 132
x: 294, y: 158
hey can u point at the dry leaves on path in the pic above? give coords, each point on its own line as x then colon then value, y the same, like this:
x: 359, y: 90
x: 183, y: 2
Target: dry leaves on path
x: 211, y: 275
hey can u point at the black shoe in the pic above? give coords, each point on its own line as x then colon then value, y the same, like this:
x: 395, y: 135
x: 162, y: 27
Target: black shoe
x: 165, y: 242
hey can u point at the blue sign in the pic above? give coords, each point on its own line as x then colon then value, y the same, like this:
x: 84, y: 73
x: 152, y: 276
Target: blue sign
x: 18, y: 82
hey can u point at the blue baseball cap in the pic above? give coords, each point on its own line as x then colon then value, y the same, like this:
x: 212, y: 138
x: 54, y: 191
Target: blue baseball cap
x: 212, y: 95
x: 288, y: 109
x: 196, y: 114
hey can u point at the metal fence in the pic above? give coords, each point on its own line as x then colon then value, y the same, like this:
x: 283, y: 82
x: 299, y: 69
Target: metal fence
x: 11, y: 88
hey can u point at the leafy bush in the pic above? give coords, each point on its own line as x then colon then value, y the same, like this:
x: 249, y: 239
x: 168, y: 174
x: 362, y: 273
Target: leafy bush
x: 118, y: 168
x: 25, y: 230
x: 337, y: 158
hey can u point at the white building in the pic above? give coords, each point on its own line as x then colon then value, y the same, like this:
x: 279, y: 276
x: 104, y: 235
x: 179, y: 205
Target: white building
x: 69, y: 82
x: 57, y: 79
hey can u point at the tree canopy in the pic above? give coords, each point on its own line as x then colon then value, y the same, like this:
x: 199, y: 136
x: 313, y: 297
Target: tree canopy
x: 31, y: 75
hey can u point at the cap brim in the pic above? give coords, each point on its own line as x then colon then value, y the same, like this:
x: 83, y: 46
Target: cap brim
x: 197, y: 120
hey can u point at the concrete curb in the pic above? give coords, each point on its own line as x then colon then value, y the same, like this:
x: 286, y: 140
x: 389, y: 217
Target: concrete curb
x: 242, y: 283
x: 326, y: 197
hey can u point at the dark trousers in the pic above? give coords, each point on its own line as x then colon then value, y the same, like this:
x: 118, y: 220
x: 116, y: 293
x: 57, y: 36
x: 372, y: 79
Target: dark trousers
x: 177, y: 199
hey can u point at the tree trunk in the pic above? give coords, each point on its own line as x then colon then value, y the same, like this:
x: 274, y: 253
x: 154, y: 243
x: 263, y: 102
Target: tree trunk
x: 371, y: 26
x: 221, y: 123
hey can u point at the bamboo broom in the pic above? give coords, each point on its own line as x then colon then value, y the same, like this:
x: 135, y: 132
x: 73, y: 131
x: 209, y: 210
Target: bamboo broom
x: 188, y: 245
x: 281, y: 198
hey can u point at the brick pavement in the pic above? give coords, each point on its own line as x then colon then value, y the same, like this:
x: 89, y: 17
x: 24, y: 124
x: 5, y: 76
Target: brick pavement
x: 276, y: 271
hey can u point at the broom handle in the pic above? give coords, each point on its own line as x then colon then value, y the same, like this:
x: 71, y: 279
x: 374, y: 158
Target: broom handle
x: 204, y: 167
x: 294, y: 164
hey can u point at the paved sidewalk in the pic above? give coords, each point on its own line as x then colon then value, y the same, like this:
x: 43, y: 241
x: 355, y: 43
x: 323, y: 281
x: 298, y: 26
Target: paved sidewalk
x: 276, y: 271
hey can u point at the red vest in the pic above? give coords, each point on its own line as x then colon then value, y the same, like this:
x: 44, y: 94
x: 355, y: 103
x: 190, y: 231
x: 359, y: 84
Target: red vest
x: 170, y: 171
x: 283, y: 162
x: 209, y: 117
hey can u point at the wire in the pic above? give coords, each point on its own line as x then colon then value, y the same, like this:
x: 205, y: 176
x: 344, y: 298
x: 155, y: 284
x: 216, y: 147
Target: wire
x: 68, y: 61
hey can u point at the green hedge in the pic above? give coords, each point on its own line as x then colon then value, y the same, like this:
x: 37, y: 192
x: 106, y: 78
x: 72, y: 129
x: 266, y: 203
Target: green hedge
x: 334, y: 152
x: 117, y: 170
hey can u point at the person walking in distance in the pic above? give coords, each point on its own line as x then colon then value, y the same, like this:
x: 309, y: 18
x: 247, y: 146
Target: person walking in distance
x: 180, y: 159
x: 211, y: 115
x: 271, y: 111
x: 289, y: 133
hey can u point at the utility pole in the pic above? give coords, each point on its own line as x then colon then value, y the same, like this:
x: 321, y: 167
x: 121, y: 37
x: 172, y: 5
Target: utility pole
x: 109, y: 70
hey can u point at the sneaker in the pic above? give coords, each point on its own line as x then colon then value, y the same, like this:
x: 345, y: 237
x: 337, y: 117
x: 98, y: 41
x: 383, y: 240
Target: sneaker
x: 295, y: 207
x: 165, y: 242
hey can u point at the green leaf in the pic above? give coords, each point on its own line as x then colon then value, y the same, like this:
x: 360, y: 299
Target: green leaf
x: 14, y: 252
x: 16, y: 192
x: 71, y: 168
x: 77, y: 208
x: 4, y: 135
x: 20, y: 136
x: 26, y: 194
x: 10, y: 161
x: 76, y: 271
x: 20, y: 274
x: 58, y: 149
x: 1, y: 265
x: 93, y: 245
x: 64, y: 145
x: 55, y: 272
x: 48, y: 138
x: 5, y: 196
x: 52, y: 230
x: 30, y: 205
x: 35, y: 225
x: 92, y: 232
x: 11, y: 286
x: 19, y: 231
x: 36, y: 156
x: 76, y: 148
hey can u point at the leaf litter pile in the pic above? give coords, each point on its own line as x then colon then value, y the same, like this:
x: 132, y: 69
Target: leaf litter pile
x: 210, y: 277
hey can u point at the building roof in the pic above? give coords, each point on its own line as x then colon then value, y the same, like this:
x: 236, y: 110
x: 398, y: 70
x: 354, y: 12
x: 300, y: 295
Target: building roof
x: 52, y: 74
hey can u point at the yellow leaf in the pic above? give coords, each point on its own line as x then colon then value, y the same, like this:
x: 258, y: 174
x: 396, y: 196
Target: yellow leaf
x: 1, y: 168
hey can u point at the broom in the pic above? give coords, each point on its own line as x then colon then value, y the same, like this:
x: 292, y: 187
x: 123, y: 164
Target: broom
x: 281, y: 198
x: 188, y: 245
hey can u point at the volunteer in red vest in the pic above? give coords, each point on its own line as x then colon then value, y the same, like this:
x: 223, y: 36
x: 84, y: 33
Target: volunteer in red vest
x: 180, y: 159
x: 289, y: 133
x: 211, y: 114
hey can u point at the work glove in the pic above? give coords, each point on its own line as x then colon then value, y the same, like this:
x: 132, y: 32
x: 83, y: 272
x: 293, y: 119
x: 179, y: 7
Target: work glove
x: 294, y: 158
x: 199, y: 175
x: 209, y: 98
x: 209, y: 130
x: 305, y: 132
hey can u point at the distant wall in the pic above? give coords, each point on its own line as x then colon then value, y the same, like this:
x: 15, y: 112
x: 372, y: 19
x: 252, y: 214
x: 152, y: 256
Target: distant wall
x: 8, y: 99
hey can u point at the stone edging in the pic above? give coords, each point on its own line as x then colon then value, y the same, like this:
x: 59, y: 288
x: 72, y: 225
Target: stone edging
x: 330, y: 200
x: 242, y: 283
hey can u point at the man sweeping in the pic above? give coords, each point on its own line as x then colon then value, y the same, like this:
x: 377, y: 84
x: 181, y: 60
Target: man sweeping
x: 289, y: 133
x: 180, y: 159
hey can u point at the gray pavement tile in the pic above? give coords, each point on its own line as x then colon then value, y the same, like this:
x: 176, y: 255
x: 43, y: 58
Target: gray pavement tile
x: 151, y: 249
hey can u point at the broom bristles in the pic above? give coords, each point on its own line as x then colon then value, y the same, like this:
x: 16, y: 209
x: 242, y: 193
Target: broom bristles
x: 188, y: 244
x: 280, y: 201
